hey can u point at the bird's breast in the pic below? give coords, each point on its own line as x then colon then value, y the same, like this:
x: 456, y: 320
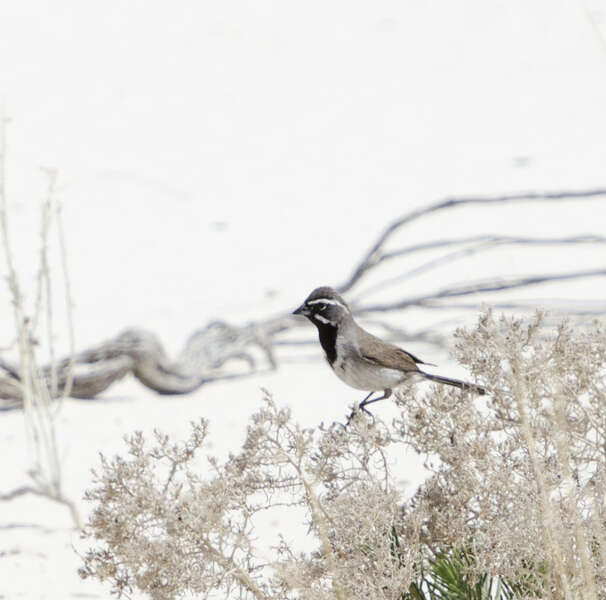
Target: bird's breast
x: 369, y: 378
x: 361, y: 374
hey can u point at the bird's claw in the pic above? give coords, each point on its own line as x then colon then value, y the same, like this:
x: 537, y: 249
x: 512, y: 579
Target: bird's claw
x: 354, y: 412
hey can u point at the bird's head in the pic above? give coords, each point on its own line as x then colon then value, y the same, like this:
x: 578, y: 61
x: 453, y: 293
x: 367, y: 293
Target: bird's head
x: 324, y: 307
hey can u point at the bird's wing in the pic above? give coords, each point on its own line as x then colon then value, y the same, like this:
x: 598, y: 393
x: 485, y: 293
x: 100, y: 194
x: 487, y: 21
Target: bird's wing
x: 388, y: 355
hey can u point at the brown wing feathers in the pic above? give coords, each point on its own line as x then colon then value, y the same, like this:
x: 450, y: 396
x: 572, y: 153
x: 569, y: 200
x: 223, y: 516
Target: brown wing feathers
x: 391, y: 356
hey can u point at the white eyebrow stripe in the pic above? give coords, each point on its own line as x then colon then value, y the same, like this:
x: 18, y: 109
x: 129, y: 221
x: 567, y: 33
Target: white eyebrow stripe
x: 328, y: 301
x: 323, y: 320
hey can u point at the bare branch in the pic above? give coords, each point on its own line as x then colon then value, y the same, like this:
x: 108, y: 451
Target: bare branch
x: 373, y: 256
x: 582, y: 310
x: 481, y: 244
x: 491, y: 285
x: 68, y: 301
x: 495, y: 240
x: 45, y: 493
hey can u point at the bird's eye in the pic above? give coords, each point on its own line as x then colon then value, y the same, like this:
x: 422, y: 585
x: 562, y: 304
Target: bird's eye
x: 321, y: 307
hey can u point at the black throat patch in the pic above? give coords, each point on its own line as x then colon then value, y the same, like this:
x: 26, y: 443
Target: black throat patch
x: 328, y: 339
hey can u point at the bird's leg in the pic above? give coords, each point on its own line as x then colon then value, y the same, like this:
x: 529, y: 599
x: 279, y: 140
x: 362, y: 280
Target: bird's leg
x: 366, y: 401
x: 361, y: 406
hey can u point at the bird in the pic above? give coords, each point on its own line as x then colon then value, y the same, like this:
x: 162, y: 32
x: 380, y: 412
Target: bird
x: 360, y: 359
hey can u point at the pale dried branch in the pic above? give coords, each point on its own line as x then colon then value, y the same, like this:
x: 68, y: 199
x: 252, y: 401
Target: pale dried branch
x: 67, y: 387
x: 35, y: 387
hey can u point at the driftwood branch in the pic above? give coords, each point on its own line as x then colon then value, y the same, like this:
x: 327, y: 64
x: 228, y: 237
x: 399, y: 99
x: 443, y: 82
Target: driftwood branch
x: 140, y: 353
x: 221, y: 351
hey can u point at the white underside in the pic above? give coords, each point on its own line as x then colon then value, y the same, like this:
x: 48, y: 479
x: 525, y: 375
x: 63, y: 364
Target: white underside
x: 362, y: 374
x: 369, y: 377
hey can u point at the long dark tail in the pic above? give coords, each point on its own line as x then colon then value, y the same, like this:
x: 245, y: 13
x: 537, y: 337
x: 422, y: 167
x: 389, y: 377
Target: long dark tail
x: 464, y: 385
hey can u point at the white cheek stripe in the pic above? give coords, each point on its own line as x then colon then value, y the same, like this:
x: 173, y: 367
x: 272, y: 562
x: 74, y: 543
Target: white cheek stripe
x: 323, y: 320
x: 327, y: 301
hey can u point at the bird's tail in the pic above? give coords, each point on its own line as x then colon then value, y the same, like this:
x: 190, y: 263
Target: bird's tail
x: 464, y: 385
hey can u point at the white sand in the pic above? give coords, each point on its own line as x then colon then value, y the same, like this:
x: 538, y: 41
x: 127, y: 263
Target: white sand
x: 219, y: 160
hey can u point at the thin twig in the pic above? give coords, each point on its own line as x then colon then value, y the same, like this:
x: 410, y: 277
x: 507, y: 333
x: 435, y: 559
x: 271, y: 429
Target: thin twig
x: 45, y: 493
x: 372, y: 257
x: 532, y: 304
x: 485, y: 286
x: 33, y: 386
x: 479, y: 244
x: 69, y: 305
x: 496, y: 240
x: 44, y: 277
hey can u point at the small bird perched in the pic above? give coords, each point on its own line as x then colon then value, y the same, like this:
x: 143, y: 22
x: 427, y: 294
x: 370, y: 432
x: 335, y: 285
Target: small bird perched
x: 360, y: 359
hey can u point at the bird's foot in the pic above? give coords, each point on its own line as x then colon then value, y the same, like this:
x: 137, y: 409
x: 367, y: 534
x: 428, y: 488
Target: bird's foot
x: 355, y: 411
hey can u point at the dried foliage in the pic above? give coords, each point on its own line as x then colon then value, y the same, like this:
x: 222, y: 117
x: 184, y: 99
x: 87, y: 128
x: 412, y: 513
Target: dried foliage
x: 34, y: 386
x: 515, y: 501
x: 520, y: 480
x: 167, y: 531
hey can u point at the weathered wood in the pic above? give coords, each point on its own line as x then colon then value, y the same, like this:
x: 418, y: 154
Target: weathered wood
x: 141, y: 353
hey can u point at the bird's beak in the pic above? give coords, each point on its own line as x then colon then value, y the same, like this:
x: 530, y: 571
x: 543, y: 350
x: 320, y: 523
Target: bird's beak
x: 302, y: 310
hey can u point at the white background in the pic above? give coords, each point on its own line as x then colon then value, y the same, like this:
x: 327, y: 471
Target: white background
x: 221, y: 159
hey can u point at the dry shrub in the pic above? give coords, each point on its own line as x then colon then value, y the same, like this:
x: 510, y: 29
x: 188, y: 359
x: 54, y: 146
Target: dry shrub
x: 33, y: 385
x: 520, y: 479
x: 517, y: 485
